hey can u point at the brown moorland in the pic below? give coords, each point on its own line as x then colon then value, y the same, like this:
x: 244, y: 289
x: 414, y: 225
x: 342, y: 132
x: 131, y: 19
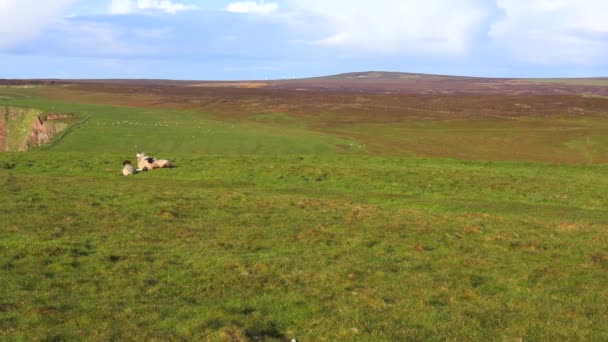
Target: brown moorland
x: 549, y: 120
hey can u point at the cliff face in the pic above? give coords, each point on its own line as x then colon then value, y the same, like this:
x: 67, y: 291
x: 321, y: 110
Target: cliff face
x: 43, y: 130
x: 22, y: 129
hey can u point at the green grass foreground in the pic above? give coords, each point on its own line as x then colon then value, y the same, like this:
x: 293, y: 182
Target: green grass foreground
x: 312, y: 247
x: 276, y: 226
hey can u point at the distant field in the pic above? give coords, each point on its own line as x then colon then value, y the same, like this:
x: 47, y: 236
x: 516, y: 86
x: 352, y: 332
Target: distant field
x: 122, y: 129
x: 603, y: 82
x: 558, y: 139
x: 319, y: 216
x: 547, y: 128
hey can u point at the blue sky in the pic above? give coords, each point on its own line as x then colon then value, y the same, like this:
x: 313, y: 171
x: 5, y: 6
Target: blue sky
x: 232, y: 39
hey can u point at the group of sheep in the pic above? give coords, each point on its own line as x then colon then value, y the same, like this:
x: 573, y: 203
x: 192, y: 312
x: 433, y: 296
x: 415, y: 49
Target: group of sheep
x: 144, y: 163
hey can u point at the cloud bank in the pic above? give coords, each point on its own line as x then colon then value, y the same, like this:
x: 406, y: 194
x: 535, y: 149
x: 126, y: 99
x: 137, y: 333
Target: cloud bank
x: 253, y: 7
x: 397, y: 26
x: 22, y: 20
x: 133, y: 6
x: 553, y: 31
x: 313, y: 37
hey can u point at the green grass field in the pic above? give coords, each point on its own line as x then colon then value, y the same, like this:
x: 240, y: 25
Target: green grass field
x: 270, y: 230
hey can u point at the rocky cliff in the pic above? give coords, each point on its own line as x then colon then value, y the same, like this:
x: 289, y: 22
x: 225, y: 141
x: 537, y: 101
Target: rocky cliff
x: 22, y: 129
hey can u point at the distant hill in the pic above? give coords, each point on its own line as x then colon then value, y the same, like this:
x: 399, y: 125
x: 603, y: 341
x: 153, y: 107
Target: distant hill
x: 386, y: 75
x: 414, y: 83
x: 380, y: 82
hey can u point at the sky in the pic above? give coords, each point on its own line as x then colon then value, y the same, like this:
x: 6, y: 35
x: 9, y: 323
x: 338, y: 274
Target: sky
x: 275, y: 39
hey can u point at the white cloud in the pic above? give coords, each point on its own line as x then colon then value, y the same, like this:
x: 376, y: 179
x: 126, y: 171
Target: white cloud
x: 398, y: 27
x: 100, y: 39
x: 122, y: 6
x: 553, y: 31
x: 253, y: 7
x: 133, y: 6
x: 21, y: 20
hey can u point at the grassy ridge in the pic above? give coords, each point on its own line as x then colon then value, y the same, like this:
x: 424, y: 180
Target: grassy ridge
x: 312, y: 247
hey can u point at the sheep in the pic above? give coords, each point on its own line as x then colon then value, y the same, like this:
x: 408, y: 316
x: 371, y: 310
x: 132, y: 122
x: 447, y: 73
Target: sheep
x: 149, y: 163
x: 143, y: 161
x: 162, y: 164
x: 127, y: 169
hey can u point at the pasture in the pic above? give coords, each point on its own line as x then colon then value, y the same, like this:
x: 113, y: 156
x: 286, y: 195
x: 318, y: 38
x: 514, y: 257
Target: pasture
x: 290, y: 221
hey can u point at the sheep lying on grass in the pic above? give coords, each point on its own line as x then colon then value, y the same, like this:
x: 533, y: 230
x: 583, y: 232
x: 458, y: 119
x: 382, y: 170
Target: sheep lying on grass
x: 144, y: 163
x: 150, y: 163
x: 127, y: 169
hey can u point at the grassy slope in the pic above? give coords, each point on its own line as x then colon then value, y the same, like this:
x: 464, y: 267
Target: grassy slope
x: 555, y: 139
x: 119, y: 129
x: 307, y: 244
x: 308, y: 247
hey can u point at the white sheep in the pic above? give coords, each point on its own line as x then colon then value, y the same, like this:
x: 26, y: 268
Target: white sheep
x: 127, y: 169
x: 148, y: 163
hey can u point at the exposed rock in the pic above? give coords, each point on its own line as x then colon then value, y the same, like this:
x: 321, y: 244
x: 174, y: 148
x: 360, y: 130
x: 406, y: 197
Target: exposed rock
x: 42, y: 132
x: 22, y: 129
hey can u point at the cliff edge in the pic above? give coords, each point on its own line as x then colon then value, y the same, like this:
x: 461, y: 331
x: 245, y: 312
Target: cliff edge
x: 22, y: 129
